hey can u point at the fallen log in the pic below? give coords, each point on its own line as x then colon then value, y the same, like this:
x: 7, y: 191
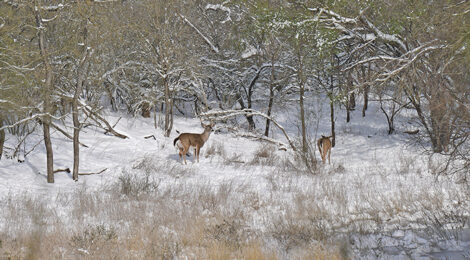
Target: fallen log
x: 412, y: 132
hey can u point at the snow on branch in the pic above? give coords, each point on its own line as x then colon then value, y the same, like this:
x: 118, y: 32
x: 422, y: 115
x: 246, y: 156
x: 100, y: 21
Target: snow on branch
x: 338, y: 17
x: 213, y: 47
x: 384, y: 77
x: 123, y: 66
x: 52, y: 7
x: 24, y: 120
x: 384, y: 36
x: 226, y: 114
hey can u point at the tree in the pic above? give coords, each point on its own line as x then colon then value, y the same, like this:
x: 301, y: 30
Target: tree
x: 47, y: 89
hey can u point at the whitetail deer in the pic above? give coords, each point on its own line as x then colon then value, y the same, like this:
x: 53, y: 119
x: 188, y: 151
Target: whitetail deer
x: 187, y: 140
x: 324, y: 146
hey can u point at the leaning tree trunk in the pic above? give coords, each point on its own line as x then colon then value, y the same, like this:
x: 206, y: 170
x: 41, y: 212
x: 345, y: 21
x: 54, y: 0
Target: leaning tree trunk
x: 47, y: 94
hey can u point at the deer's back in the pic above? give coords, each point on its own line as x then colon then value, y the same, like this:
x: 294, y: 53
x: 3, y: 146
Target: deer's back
x: 192, y: 139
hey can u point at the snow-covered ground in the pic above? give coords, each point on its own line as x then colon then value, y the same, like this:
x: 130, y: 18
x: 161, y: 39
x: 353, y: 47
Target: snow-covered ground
x: 379, y: 198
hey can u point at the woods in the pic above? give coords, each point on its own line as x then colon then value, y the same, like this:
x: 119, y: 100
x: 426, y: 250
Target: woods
x: 62, y: 64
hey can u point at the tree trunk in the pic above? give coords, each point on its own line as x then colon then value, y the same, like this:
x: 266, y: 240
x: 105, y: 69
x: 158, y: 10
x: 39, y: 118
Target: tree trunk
x: 366, y: 77
x: 2, y: 137
x: 366, y: 100
x: 352, y: 101
x: 249, y: 118
x: 47, y: 94
x: 270, y: 107
x: 271, y: 98
x: 146, y: 110
x: 168, y: 109
x: 348, y: 98
x: 302, y: 119
x: 332, y: 119
x: 82, y: 71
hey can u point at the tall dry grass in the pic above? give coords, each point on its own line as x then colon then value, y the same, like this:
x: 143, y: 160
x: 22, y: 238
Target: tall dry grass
x: 157, y: 210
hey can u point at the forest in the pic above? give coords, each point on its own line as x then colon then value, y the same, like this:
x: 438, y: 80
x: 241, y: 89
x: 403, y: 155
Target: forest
x: 281, y: 73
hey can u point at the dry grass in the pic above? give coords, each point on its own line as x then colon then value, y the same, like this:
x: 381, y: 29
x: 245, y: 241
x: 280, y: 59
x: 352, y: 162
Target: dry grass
x: 148, y: 214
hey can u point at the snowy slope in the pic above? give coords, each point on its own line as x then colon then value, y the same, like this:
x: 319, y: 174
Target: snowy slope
x: 374, y: 178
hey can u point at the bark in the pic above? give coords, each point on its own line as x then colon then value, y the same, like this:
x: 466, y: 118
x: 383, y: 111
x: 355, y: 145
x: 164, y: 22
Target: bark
x: 47, y: 96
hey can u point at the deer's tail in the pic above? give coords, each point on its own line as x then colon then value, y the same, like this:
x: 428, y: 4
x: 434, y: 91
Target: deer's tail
x: 176, y: 140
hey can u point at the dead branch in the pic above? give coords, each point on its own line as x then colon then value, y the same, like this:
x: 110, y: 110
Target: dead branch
x: 115, y: 124
x: 97, y: 118
x: 66, y: 134
x: 67, y: 170
x: 91, y: 173
x: 150, y: 136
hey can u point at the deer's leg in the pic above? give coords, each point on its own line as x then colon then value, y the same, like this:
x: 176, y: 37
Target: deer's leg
x: 184, y: 154
x: 198, y: 149
x: 329, y: 153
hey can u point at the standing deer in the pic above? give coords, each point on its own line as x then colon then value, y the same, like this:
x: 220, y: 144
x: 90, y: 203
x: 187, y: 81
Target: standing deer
x: 324, y: 146
x: 187, y: 140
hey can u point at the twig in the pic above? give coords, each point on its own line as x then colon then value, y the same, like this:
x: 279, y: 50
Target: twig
x: 150, y: 136
x: 115, y: 124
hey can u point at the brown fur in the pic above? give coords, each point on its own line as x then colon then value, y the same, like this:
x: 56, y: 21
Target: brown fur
x: 197, y: 141
x: 324, y: 146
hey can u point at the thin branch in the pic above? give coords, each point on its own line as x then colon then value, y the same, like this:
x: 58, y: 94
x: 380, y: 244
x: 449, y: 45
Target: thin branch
x: 213, y: 47
x: 225, y: 114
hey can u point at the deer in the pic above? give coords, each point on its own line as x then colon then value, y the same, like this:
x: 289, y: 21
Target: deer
x: 324, y: 146
x: 187, y: 140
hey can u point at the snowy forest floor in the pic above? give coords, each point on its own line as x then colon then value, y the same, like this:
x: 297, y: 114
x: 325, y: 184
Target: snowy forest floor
x: 379, y: 198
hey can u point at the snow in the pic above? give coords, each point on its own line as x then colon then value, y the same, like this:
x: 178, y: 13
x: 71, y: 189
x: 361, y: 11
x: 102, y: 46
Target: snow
x: 372, y: 176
